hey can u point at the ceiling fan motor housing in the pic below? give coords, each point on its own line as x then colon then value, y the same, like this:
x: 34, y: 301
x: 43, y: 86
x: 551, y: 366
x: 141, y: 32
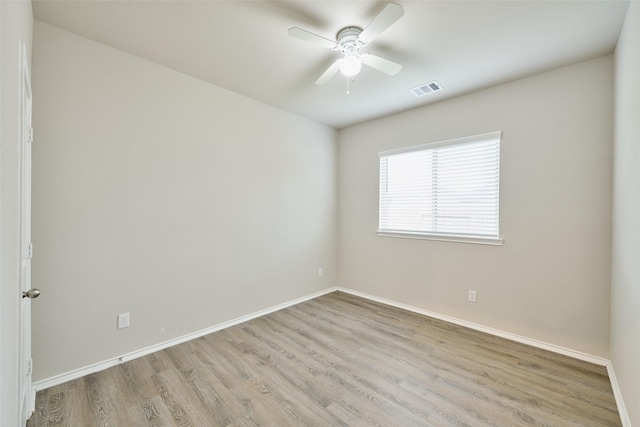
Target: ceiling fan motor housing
x: 348, y: 40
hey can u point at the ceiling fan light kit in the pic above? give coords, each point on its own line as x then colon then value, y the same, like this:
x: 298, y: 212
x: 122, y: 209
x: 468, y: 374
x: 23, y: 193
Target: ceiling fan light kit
x: 349, y: 42
x: 350, y: 65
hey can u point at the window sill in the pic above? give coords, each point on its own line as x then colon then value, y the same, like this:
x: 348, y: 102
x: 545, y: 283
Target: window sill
x: 454, y: 239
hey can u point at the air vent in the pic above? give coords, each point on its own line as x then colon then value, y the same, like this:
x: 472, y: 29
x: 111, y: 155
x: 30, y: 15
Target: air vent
x: 426, y: 88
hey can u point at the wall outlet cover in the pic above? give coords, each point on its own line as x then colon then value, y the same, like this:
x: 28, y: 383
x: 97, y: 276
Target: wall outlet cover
x: 472, y: 296
x: 123, y: 320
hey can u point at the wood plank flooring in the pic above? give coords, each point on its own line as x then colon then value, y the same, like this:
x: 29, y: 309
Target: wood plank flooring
x: 338, y: 360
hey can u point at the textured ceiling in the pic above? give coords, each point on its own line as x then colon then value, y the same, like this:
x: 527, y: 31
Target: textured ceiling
x: 243, y: 46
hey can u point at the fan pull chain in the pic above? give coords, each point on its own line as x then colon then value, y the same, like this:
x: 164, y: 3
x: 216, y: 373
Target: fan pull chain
x: 348, y: 85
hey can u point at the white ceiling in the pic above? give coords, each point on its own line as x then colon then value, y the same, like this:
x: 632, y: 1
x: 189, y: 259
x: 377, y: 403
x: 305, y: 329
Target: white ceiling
x: 243, y: 46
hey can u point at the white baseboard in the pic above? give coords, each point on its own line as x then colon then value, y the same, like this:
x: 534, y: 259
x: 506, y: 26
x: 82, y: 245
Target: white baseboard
x: 96, y: 367
x: 78, y: 373
x: 622, y: 410
x: 508, y: 335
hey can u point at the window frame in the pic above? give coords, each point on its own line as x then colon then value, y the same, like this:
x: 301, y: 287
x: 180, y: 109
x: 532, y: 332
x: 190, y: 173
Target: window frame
x: 447, y: 237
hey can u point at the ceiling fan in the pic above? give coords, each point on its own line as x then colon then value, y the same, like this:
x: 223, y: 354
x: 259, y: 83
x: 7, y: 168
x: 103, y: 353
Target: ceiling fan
x: 349, y: 42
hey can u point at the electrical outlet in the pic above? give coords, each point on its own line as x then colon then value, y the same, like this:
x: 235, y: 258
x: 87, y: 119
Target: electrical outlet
x: 320, y: 272
x: 472, y: 296
x: 123, y: 320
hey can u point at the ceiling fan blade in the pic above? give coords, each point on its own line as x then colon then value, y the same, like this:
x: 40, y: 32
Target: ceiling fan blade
x: 381, y: 64
x: 305, y: 35
x: 390, y: 14
x: 330, y: 72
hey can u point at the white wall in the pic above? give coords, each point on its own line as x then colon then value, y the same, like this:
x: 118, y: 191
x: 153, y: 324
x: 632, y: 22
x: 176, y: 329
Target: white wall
x: 625, y: 292
x: 550, y: 279
x: 188, y: 205
x: 160, y: 195
x: 16, y: 22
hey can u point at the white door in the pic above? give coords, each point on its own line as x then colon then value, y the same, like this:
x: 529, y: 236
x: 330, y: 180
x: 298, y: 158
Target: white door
x: 27, y: 394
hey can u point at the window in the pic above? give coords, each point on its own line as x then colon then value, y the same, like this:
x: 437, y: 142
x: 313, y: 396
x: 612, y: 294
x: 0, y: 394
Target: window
x: 446, y: 190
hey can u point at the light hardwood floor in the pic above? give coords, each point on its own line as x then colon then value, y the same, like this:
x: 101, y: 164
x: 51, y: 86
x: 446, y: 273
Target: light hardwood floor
x: 338, y: 360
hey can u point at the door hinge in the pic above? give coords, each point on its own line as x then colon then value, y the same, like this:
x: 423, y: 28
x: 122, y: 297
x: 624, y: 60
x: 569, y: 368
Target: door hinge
x: 30, y: 251
x: 30, y: 135
x: 29, y: 366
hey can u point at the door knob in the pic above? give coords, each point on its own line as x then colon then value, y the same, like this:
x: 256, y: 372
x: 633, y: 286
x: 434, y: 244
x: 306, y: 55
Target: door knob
x: 31, y: 293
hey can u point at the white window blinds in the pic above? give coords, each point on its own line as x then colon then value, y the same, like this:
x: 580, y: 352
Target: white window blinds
x: 448, y: 189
